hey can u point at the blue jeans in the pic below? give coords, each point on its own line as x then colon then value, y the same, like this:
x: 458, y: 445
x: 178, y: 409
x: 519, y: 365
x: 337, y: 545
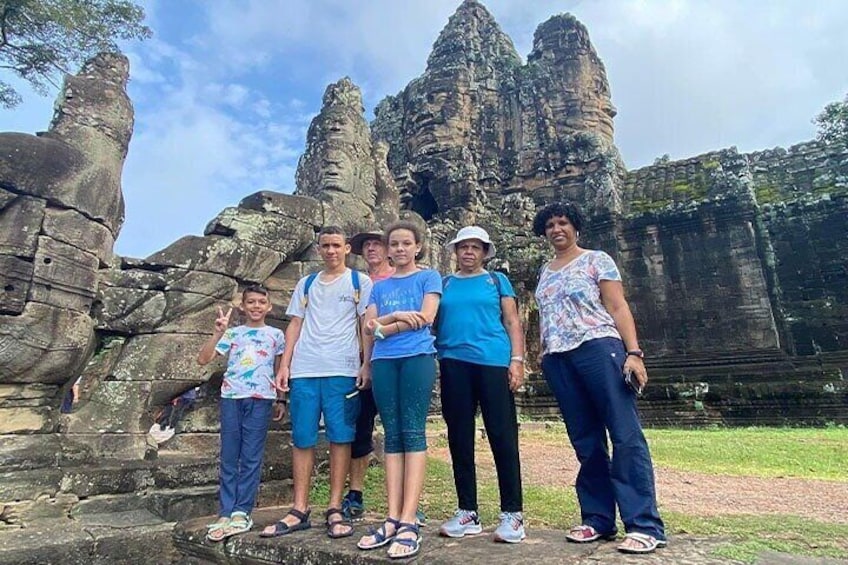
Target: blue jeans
x: 402, y: 390
x: 594, y: 400
x: 244, y: 427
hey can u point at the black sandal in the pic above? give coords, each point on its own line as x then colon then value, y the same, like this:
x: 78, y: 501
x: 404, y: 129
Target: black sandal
x: 281, y: 528
x: 331, y: 525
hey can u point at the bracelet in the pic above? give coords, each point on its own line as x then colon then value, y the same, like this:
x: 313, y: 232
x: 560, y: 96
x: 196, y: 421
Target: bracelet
x: 280, y: 401
x: 636, y: 353
x: 397, y: 327
x: 517, y: 358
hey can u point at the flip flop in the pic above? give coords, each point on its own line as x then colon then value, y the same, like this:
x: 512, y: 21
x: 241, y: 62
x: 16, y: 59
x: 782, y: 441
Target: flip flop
x: 648, y: 543
x: 282, y: 529
x: 587, y: 534
x: 331, y: 525
x: 380, y: 535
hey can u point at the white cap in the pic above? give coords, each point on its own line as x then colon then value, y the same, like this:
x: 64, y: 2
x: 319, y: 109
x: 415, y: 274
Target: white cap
x: 472, y: 232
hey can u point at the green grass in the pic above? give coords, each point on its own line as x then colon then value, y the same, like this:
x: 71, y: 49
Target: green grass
x: 758, y: 452
x: 761, y: 452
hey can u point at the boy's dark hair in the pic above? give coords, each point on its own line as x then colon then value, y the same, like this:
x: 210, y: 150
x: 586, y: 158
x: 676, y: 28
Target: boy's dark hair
x: 256, y: 289
x: 568, y: 210
x: 403, y: 225
x: 332, y: 230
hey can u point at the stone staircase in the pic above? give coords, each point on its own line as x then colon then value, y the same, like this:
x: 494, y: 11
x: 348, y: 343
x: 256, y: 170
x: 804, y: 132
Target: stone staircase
x: 61, y: 502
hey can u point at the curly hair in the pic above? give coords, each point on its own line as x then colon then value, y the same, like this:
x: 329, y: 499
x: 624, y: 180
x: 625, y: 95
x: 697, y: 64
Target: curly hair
x: 568, y: 210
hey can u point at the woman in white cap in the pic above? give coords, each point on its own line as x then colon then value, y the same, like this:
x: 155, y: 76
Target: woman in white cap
x: 480, y: 345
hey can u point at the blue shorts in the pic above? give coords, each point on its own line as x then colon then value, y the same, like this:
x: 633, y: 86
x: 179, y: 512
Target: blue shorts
x: 334, y: 397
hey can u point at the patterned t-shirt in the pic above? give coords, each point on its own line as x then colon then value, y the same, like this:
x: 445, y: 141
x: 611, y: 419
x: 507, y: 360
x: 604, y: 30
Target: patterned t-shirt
x: 570, y: 307
x: 250, y: 365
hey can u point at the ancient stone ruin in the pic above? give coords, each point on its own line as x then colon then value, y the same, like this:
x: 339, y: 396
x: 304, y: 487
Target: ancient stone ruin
x: 735, y: 266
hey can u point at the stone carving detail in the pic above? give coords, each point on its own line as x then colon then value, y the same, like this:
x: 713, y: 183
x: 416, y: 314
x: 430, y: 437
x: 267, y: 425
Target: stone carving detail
x: 61, y: 210
x: 341, y: 167
x: 478, y: 125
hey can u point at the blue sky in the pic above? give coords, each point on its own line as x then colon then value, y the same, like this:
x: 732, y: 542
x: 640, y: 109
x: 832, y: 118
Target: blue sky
x: 225, y: 90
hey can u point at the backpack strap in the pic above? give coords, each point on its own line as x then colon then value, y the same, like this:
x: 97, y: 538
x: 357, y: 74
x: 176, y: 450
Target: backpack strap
x: 306, y: 286
x: 356, y: 289
x: 497, y: 282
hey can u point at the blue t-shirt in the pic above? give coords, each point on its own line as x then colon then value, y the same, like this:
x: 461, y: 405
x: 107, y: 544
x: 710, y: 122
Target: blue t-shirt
x: 397, y: 294
x: 250, y: 364
x: 470, y: 327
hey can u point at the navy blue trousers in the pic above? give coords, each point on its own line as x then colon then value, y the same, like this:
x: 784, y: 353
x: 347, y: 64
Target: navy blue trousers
x: 244, y: 427
x: 595, y: 401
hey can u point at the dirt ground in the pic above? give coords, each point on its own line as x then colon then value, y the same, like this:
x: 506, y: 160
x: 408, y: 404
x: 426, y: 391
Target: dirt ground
x: 547, y: 463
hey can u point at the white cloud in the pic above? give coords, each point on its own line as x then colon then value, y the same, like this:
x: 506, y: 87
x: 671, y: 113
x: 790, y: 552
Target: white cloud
x: 223, y: 112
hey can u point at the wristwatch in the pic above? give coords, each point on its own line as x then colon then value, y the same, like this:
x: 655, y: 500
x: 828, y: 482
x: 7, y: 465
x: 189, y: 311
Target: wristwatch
x: 636, y: 353
x: 518, y: 358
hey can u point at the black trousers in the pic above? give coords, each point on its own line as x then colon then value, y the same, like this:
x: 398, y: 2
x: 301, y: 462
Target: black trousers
x: 464, y: 386
x: 363, y: 442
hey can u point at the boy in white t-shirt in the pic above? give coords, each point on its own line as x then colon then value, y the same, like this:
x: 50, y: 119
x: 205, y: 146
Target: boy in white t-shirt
x: 321, y: 370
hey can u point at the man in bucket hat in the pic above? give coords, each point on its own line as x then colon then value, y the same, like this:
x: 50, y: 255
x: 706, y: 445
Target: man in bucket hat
x: 370, y: 246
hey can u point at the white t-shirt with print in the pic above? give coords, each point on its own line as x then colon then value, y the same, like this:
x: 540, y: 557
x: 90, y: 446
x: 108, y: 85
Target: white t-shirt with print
x: 328, y: 345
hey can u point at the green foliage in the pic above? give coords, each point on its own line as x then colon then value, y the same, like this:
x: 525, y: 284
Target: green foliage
x: 41, y: 40
x: 833, y: 122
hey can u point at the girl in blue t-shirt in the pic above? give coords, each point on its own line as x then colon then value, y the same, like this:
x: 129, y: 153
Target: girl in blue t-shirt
x: 399, y: 353
x: 481, y: 356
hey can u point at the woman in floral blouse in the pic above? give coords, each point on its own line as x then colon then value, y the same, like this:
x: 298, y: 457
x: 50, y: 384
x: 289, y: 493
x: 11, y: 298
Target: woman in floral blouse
x: 593, y: 364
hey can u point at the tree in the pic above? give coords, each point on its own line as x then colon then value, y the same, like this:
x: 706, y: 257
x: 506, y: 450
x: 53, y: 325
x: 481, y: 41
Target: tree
x: 833, y: 123
x: 42, y: 40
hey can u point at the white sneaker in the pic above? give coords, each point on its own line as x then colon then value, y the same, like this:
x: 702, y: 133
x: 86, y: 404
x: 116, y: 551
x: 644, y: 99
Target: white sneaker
x: 511, y: 529
x: 464, y: 522
x: 159, y: 435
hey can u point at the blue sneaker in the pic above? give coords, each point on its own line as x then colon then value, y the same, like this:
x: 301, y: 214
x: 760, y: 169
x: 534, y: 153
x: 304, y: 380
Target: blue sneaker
x: 353, y: 510
x: 464, y: 522
x: 511, y: 529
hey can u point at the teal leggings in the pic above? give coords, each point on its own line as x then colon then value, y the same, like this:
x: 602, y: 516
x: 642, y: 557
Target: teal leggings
x: 402, y: 389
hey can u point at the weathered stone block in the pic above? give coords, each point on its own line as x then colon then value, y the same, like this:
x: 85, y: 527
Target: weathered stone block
x: 14, y: 396
x: 63, y: 276
x: 45, y: 344
x: 115, y: 407
x: 20, y: 224
x: 26, y: 420
x: 129, y: 310
x: 227, y: 256
x: 36, y: 451
x: 71, y: 227
x: 285, y: 235
x: 15, y: 280
x: 301, y: 208
x: 29, y: 485
x: 163, y: 357
x: 121, y: 446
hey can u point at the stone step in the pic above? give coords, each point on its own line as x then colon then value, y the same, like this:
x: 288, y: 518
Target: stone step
x: 542, y: 547
x: 134, y: 536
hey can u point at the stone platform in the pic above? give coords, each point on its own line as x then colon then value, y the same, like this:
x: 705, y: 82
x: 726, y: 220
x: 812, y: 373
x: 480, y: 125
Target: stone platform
x: 542, y: 547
